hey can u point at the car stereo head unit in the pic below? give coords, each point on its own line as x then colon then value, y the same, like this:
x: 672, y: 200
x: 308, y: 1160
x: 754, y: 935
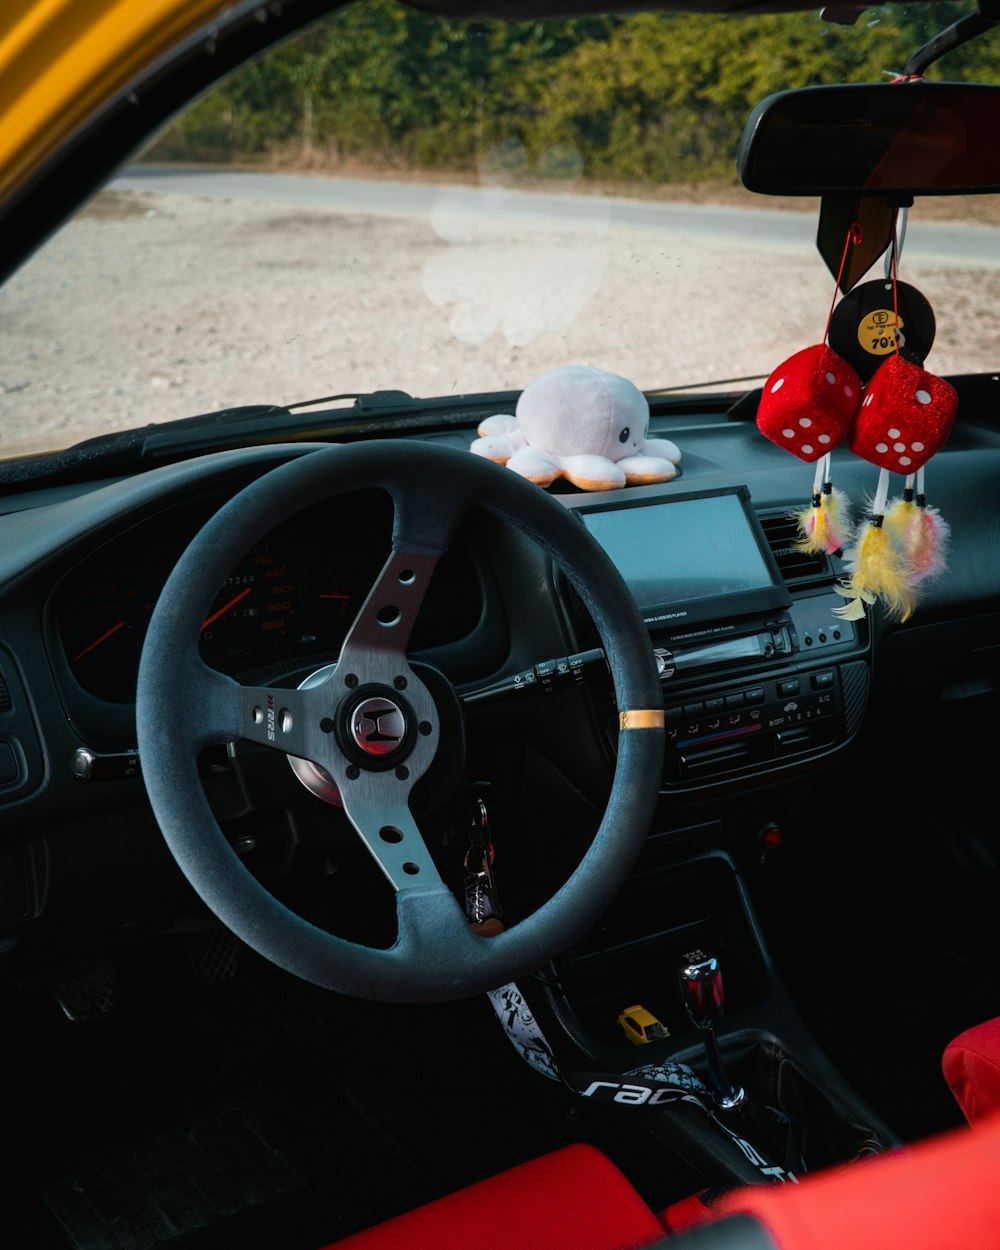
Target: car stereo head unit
x: 754, y: 678
x: 691, y: 559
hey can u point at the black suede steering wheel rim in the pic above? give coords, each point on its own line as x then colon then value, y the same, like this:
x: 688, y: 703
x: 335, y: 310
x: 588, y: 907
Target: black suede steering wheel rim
x: 182, y: 706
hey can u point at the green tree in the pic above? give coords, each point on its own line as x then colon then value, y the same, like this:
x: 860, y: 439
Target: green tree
x: 650, y: 96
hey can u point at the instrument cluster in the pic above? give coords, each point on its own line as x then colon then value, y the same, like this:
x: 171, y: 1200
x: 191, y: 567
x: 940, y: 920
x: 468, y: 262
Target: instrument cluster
x: 293, y: 595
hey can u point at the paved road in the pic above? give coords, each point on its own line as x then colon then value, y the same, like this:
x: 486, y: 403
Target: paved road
x: 930, y: 242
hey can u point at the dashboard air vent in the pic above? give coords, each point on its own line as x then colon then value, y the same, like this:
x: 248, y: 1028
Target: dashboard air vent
x: 796, y: 567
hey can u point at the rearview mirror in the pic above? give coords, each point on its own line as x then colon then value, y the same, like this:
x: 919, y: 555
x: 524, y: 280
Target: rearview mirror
x: 904, y: 138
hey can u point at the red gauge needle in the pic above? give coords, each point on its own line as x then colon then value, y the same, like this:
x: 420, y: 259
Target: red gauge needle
x: 97, y: 641
x: 335, y: 596
x: 225, y: 607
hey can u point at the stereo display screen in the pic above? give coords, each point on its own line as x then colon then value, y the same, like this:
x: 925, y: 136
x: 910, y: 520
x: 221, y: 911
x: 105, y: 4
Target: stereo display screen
x: 691, y: 558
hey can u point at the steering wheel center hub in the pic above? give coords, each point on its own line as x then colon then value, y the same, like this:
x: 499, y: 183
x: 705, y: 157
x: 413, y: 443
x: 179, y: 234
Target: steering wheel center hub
x: 378, y: 726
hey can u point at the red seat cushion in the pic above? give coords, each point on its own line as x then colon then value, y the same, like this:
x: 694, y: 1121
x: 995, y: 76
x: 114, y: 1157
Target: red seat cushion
x: 934, y: 1195
x: 971, y: 1066
x: 574, y: 1198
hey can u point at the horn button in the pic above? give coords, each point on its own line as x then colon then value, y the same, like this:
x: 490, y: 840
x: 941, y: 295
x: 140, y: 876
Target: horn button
x: 378, y: 726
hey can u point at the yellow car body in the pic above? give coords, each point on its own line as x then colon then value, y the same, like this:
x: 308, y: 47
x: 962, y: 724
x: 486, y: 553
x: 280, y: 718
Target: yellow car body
x: 61, y: 59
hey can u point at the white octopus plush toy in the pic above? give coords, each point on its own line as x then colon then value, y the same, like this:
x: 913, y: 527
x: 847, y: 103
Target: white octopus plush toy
x: 583, y: 424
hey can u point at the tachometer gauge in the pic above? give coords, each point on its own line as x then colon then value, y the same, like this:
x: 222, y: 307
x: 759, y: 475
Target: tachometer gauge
x: 103, y: 626
x: 336, y: 604
x: 255, y: 609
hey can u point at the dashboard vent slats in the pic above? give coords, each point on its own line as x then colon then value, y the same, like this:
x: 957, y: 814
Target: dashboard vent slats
x: 796, y: 567
x: 5, y: 699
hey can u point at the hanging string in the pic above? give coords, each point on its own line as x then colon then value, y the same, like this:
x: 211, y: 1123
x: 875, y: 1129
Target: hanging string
x: 855, y: 233
x: 893, y: 269
x: 825, y: 526
x: 902, y: 216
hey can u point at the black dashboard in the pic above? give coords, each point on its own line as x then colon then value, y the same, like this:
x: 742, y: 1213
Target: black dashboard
x: 760, y: 694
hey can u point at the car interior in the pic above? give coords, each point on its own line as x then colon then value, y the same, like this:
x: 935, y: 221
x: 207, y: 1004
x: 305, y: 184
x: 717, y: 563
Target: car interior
x: 517, y: 825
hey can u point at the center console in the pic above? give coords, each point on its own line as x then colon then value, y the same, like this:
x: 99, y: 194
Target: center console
x: 786, y: 1102
x: 758, y: 670
x: 761, y: 677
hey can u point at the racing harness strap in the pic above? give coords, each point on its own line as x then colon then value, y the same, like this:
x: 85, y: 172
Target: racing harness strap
x: 650, y: 1086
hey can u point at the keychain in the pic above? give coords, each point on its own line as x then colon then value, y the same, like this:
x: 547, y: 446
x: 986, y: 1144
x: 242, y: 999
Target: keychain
x: 482, y: 904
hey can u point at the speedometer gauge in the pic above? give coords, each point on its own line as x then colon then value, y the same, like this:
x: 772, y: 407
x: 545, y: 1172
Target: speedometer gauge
x: 103, y: 626
x: 256, y: 608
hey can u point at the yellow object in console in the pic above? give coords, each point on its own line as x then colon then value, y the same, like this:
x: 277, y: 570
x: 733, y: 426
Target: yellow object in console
x: 641, y: 1026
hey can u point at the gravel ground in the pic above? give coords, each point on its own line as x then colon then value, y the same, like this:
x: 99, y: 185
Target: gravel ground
x: 150, y: 307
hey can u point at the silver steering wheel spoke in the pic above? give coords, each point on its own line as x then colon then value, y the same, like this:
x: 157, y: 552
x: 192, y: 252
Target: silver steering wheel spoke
x: 387, y: 616
x: 367, y: 724
x: 390, y: 833
x: 293, y: 721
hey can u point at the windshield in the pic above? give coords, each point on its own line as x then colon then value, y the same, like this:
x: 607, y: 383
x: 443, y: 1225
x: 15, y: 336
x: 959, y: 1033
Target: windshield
x: 397, y: 201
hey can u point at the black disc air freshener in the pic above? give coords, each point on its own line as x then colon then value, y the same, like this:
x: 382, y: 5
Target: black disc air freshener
x: 863, y: 326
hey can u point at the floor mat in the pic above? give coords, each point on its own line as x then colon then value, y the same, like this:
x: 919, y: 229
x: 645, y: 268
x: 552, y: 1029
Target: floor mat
x: 345, y: 1112
x: 176, y: 1184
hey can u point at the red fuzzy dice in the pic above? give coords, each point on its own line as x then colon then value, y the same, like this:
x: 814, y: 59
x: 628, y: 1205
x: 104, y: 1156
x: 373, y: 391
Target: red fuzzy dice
x: 905, y: 417
x: 809, y: 402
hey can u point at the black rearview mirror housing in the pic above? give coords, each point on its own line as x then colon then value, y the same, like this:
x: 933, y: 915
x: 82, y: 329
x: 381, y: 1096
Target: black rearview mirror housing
x: 904, y: 138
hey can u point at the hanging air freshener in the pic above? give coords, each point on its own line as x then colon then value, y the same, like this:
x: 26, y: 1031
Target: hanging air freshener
x: 871, y: 324
x: 904, y: 420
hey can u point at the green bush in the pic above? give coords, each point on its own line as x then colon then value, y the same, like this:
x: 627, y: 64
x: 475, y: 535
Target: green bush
x: 644, y: 96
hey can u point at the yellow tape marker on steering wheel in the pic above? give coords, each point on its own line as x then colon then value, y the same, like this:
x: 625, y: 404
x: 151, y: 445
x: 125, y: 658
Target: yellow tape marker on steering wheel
x: 651, y: 719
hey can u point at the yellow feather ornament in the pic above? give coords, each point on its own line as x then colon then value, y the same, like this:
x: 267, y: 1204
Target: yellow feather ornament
x: 824, y: 527
x: 920, y: 532
x: 878, y: 569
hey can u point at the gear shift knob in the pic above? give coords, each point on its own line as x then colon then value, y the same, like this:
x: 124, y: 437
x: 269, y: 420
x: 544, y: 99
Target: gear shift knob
x: 701, y: 988
x: 700, y: 980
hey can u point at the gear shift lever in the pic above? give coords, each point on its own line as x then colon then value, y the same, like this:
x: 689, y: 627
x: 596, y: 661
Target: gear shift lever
x: 701, y: 989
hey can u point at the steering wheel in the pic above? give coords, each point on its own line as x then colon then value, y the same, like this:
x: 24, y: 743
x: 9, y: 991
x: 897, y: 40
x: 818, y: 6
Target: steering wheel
x: 373, y: 725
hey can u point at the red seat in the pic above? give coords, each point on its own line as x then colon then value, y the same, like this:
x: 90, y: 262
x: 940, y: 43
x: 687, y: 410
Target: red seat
x: 574, y: 1198
x: 971, y: 1066
x: 934, y: 1195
